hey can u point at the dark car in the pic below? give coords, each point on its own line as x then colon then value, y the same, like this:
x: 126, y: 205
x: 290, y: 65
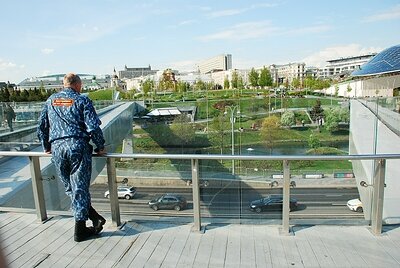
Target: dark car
x: 168, y: 201
x: 271, y: 203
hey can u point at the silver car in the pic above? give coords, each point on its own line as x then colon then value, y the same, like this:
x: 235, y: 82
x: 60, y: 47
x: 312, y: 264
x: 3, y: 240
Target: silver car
x: 126, y: 192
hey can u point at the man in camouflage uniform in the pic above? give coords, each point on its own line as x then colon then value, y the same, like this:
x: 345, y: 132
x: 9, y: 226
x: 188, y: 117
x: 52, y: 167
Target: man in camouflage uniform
x: 67, y: 123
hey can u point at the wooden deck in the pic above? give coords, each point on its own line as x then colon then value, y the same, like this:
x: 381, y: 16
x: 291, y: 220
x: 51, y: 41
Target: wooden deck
x: 27, y: 243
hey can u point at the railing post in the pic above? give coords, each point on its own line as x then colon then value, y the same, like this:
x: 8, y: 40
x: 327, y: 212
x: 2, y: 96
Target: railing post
x: 377, y: 198
x: 196, y: 195
x: 286, y: 197
x: 37, y: 187
x: 112, y: 187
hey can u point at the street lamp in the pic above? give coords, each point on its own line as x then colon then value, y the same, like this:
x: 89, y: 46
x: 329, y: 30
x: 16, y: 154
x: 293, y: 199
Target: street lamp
x: 232, y: 119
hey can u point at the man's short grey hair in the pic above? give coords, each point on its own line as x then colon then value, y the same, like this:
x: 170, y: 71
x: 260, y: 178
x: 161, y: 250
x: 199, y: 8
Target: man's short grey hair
x: 71, y: 79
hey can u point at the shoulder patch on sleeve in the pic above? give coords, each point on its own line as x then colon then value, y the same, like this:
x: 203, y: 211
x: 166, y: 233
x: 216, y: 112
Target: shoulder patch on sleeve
x: 62, y: 102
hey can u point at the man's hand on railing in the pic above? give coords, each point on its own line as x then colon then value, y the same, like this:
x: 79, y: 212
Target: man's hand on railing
x: 47, y: 152
x: 101, y: 152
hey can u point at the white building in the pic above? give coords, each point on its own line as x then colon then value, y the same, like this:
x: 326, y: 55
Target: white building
x: 221, y: 62
x: 287, y: 72
x: 340, y: 66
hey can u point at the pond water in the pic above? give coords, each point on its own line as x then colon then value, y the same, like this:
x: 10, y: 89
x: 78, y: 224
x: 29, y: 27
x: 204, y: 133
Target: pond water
x: 259, y: 149
x: 288, y: 149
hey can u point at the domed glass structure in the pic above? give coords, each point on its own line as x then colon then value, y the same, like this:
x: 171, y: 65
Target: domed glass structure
x: 388, y: 61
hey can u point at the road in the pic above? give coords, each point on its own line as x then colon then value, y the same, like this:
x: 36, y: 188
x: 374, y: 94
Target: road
x: 317, y: 203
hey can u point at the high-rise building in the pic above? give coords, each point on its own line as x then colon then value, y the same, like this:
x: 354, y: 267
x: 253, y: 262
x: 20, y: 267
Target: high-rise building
x: 218, y: 63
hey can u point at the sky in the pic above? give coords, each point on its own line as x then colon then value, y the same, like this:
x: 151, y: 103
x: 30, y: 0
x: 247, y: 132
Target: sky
x: 45, y: 37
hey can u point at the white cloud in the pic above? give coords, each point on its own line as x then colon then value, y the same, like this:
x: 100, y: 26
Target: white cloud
x: 187, y: 22
x: 319, y: 58
x: 232, y: 12
x: 248, y: 30
x: 390, y: 14
x: 5, y: 65
x: 226, y: 12
x: 309, y: 30
x: 47, y: 50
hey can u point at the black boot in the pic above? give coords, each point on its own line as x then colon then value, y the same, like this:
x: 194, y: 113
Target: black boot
x: 97, y: 219
x: 82, y: 232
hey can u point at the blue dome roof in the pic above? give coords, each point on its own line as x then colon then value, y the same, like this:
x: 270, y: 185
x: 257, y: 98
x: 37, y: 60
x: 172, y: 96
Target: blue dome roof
x: 387, y: 61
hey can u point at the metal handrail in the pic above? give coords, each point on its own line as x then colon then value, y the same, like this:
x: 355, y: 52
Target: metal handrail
x: 223, y: 157
x: 377, y: 201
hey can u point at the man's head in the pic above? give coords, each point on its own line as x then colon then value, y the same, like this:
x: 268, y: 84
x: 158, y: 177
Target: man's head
x: 73, y: 81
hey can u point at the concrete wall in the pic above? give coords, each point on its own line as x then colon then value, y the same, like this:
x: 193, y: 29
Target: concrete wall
x: 373, y: 87
x: 367, y: 136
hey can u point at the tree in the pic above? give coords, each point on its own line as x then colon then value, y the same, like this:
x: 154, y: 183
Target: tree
x: 199, y: 85
x: 270, y: 130
x: 313, y: 142
x: 226, y: 83
x: 235, y: 79
x: 265, y: 78
x: 253, y: 77
x: 317, y: 111
x: 218, y: 133
x: 182, y: 87
x: 296, y: 83
x: 349, y: 89
x: 240, y: 82
x: 334, y: 116
x: 167, y: 80
x: 183, y: 130
x: 288, y: 118
x: 147, y: 86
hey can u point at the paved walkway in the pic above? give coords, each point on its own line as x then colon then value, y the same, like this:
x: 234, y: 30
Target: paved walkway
x: 27, y: 243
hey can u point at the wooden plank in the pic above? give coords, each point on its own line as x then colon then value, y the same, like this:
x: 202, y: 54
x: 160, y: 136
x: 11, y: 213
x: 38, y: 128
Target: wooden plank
x: 98, y: 246
x: 369, y: 248
x: 306, y: 253
x: 17, y: 229
x: 319, y: 249
x: 59, y: 250
x: 137, y: 242
x: 52, y: 242
x: 390, y: 257
x: 328, y: 237
x: 220, y: 233
x: 190, y: 250
x: 267, y: 245
x: 11, y: 223
x: 202, y: 257
x: 247, y: 250
x: 68, y: 253
x: 131, y: 232
x: 180, y: 237
x: 260, y: 252
x: 113, y: 251
x: 35, y: 241
x: 278, y: 257
x: 293, y: 257
x: 232, y: 257
x: 162, y: 248
x: 5, y: 218
x: 148, y: 248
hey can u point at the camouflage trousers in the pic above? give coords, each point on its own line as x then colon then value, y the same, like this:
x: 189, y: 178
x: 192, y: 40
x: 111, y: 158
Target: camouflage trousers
x: 73, y: 161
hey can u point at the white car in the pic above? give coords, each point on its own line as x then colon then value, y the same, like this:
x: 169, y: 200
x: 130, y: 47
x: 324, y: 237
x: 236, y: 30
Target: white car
x: 126, y: 192
x: 355, y: 205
